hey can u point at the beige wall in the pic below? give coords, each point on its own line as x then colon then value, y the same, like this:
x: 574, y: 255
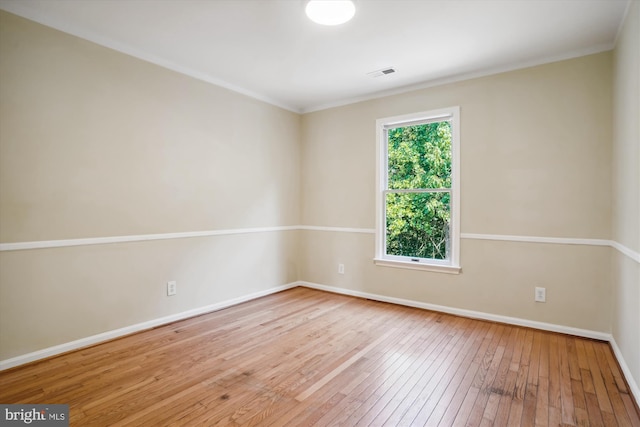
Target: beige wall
x: 54, y: 296
x: 94, y: 143
x: 497, y: 278
x: 97, y: 143
x: 626, y: 190
x: 535, y: 161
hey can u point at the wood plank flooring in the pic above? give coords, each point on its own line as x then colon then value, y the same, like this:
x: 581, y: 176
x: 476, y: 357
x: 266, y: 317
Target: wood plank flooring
x: 305, y: 357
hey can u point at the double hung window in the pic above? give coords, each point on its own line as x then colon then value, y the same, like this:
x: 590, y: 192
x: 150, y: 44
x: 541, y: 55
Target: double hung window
x: 418, y: 191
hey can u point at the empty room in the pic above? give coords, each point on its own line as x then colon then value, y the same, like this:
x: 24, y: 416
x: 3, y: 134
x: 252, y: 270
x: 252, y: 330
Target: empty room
x: 321, y: 213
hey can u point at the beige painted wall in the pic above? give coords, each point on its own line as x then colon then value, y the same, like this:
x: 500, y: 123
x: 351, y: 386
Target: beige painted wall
x: 535, y: 160
x: 54, y: 296
x: 95, y: 143
x: 535, y: 149
x: 626, y: 190
x: 497, y: 277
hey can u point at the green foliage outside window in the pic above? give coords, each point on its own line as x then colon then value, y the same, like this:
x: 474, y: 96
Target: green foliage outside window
x: 419, y: 157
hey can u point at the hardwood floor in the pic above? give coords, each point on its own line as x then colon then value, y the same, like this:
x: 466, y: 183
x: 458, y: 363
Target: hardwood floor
x: 305, y: 357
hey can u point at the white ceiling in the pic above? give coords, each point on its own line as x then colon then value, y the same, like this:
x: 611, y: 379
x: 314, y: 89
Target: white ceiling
x: 268, y: 49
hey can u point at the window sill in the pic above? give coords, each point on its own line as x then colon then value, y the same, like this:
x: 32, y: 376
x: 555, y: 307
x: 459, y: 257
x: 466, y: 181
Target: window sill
x: 448, y: 269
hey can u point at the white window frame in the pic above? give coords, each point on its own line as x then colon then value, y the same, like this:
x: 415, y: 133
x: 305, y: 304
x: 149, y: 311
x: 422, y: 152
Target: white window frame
x: 452, y: 265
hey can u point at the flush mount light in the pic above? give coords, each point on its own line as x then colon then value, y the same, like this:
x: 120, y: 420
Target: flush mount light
x: 330, y: 12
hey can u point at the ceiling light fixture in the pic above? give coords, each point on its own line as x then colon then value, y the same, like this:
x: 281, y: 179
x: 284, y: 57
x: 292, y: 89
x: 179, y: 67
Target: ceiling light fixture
x: 330, y: 12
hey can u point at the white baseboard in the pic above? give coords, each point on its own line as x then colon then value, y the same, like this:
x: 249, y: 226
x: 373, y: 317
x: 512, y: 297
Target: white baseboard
x: 633, y: 385
x: 635, y: 391
x: 109, y: 335
x: 466, y: 313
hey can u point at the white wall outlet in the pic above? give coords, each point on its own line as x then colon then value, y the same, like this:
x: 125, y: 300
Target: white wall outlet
x: 340, y: 268
x: 541, y: 294
x: 171, y: 288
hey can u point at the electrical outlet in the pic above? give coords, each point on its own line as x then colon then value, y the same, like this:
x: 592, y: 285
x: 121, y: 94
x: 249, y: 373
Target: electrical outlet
x: 541, y: 294
x: 171, y: 288
x: 340, y: 268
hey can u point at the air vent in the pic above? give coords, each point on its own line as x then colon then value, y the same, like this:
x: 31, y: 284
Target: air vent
x: 382, y: 72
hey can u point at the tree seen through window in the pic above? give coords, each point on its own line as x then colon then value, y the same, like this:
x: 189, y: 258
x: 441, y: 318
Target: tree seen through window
x: 418, y: 196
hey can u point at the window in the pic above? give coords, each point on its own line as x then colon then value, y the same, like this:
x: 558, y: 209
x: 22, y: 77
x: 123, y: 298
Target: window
x: 418, y: 207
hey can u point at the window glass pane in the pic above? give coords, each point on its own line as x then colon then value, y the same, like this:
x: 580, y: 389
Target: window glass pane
x: 420, y: 156
x: 418, y: 225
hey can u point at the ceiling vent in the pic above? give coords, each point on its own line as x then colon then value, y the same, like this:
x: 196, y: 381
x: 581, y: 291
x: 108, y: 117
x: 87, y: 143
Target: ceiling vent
x: 382, y: 72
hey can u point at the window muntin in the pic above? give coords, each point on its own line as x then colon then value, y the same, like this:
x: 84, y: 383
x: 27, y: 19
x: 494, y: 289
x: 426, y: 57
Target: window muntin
x: 417, y: 221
